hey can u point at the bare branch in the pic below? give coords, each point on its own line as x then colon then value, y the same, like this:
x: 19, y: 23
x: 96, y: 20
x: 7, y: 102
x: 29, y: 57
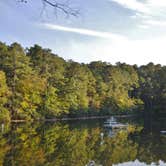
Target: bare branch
x: 24, y: 1
x: 61, y: 7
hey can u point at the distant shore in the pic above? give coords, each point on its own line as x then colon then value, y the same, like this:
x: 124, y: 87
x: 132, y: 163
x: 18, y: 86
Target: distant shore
x: 76, y: 118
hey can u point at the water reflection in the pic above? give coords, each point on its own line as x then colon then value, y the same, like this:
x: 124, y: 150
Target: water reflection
x: 66, y: 144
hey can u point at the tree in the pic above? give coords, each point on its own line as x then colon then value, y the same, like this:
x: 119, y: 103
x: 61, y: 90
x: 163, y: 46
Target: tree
x: 150, y: 80
x: 51, y: 68
x: 4, y: 94
x: 15, y: 64
x: 29, y: 97
x: 43, y: 85
x: 58, y: 6
x: 76, y: 86
x: 25, y: 85
x: 51, y: 105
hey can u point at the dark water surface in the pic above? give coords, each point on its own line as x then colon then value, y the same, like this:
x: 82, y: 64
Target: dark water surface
x: 77, y: 143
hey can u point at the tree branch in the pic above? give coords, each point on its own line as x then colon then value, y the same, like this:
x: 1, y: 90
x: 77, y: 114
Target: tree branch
x: 62, y: 7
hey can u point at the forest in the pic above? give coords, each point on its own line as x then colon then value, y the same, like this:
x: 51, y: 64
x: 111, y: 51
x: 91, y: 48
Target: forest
x: 38, y: 84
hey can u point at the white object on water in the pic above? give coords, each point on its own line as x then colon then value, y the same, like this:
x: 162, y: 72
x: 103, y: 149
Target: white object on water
x: 112, y: 123
x: 163, y: 132
x: 91, y: 163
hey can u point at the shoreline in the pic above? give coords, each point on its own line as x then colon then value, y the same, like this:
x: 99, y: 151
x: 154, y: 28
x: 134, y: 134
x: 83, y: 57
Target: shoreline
x: 75, y: 118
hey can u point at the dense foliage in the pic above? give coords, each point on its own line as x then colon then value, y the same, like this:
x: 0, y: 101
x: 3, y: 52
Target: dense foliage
x: 36, y: 84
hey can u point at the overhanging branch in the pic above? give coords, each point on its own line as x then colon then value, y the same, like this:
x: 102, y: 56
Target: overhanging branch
x: 62, y: 7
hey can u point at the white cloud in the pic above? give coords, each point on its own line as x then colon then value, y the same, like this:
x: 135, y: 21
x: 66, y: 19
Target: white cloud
x: 150, y: 12
x: 133, y: 5
x: 156, y: 3
x: 148, y: 7
x: 149, y: 23
x: 132, y: 52
x: 81, y: 31
x: 156, y: 23
x: 112, y: 47
x: 143, y: 26
x: 138, y: 163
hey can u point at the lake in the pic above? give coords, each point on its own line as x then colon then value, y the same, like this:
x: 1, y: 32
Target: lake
x: 84, y: 143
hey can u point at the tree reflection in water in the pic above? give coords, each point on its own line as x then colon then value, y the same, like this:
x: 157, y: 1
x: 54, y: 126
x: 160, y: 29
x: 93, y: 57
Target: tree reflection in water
x: 62, y: 145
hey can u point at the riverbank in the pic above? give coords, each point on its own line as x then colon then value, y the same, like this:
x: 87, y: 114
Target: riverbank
x: 76, y: 118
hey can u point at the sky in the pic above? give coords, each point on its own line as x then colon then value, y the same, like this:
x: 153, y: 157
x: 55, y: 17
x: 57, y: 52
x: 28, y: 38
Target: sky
x: 138, y: 163
x: 129, y: 31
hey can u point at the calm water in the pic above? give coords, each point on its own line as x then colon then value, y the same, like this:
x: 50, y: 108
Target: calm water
x: 77, y: 143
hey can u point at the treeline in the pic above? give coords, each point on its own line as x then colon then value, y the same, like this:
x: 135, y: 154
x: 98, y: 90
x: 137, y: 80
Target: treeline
x: 37, y: 84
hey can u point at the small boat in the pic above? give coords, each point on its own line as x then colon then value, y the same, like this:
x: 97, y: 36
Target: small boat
x: 112, y: 123
x: 91, y: 163
x: 112, y: 120
x: 163, y: 132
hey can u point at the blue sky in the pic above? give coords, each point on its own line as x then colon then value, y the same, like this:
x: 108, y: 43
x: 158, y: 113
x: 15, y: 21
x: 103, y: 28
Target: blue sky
x: 131, y: 31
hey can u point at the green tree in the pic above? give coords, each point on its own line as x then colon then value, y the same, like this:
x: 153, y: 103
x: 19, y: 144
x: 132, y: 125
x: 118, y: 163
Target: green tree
x: 4, y: 96
x: 15, y: 64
